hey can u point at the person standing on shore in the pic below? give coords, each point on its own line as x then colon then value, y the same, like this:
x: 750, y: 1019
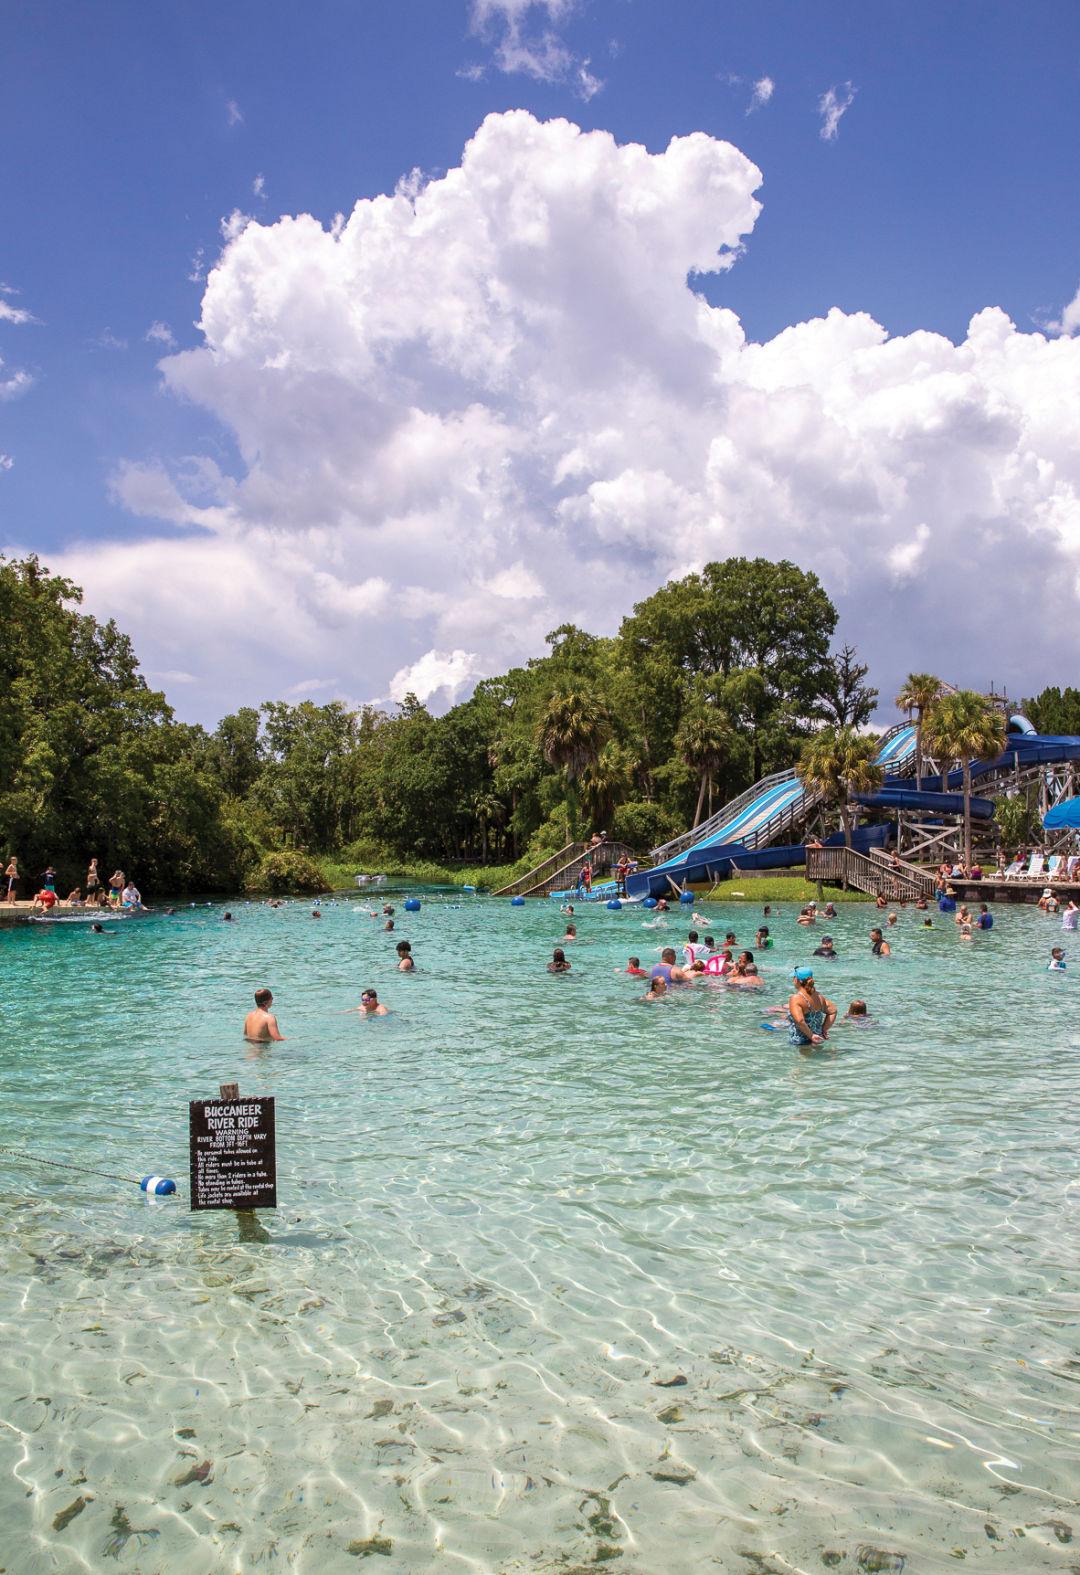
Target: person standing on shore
x: 12, y: 873
x: 116, y: 886
x: 93, y: 883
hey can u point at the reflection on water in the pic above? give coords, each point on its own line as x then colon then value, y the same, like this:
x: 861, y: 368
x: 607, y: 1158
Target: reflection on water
x: 554, y: 1283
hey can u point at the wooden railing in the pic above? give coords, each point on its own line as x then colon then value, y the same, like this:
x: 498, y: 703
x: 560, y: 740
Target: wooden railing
x: 878, y: 878
x: 603, y: 856
x: 557, y: 861
x: 915, y: 872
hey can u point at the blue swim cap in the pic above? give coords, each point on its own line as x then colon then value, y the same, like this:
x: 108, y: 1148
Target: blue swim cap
x: 804, y: 973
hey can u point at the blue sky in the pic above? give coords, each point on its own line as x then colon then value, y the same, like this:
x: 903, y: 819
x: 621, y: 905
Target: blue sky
x: 948, y: 187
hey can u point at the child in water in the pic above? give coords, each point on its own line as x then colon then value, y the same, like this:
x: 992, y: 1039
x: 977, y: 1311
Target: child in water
x: 1057, y: 960
x: 635, y: 968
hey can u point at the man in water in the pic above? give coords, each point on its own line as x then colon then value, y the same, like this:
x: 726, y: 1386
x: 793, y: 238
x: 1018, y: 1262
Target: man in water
x: 810, y: 1014
x: 826, y: 949
x: 635, y: 968
x: 369, y: 1005
x: 878, y: 946
x: 261, y: 1024
x: 985, y: 921
x: 667, y: 968
x: 1071, y: 916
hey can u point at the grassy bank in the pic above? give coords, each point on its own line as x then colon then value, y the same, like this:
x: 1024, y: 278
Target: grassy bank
x: 779, y: 888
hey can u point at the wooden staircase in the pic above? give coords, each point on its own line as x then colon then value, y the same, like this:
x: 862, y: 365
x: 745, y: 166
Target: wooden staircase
x: 873, y: 873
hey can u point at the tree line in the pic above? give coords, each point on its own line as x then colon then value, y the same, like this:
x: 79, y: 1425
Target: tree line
x: 713, y: 681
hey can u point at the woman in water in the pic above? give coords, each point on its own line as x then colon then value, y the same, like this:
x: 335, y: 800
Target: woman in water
x: 558, y: 963
x: 810, y: 1014
x: 656, y: 991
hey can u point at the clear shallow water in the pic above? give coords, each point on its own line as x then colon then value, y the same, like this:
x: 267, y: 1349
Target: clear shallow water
x: 514, y: 1215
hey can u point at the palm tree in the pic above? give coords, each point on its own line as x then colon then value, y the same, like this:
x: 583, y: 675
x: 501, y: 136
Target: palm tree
x: 704, y: 743
x: 964, y: 727
x: 918, y: 694
x: 573, y: 728
x: 606, y: 784
x: 839, y: 762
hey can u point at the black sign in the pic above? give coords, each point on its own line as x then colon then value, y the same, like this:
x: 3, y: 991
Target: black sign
x: 233, y: 1159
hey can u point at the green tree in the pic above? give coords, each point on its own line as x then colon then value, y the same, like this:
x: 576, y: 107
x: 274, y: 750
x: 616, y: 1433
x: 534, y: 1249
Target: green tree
x: 838, y: 763
x: 770, y: 622
x: 919, y: 693
x: 704, y: 742
x: 573, y: 728
x: 964, y: 727
x: 1055, y: 711
x: 606, y: 784
x: 1013, y: 818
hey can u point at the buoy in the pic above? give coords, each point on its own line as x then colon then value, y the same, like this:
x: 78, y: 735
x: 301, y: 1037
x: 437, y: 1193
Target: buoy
x: 615, y: 903
x: 649, y: 902
x: 517, y: 902
x: 412, y: 905
x: 686, y: 896
x: 158, y: 1185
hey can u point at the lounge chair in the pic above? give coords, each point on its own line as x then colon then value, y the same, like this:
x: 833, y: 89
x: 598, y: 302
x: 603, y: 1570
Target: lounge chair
x: 1053, y: 867
x: 1072, y: 867
x: 1035, y: 868
x: 1015, y: 870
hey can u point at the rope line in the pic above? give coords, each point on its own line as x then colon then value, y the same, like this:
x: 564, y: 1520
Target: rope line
x: 61, y: 1165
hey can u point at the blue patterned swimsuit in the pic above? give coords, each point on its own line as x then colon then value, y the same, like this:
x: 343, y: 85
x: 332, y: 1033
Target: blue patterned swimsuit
x: 815, y: 1021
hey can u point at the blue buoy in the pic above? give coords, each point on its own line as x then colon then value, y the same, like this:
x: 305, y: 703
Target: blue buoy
x: 615, y: 903
x: 649, y: 902
x: 412, y: 905
x: 686, y: 896
x: 517, y: 902
x: 158, y: 1185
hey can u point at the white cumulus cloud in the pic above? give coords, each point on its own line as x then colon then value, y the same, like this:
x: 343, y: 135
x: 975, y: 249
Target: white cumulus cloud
x: 160, y: 333
x: 764, y: 88
x: 488, y: 403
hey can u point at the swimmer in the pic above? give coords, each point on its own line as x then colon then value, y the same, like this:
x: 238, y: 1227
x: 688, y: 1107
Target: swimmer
x: 806, y: 917
x: 405, y: 960
x: 830, y: 911
x: 661, y: 905
x: 227, y: 918
x: 763, y: 940
x: 879, y: 902
x: 696, y: 972
x: 667, y: 969
x: 879, y: 947
x: 693, y: 948
x: 261, y: 1024
x: 856, y: 1013
x: 656, y: 991
x: 810, y: 1014
x: 369, y: 1005
x: 96, y: 929
x: 1057, y: 960
x: 891, y: 919
x: 826, y: 949
x: 729, y: 939
x: 389, y: 925
x: 744, y: 975
x: 921, y: 904
x: 388, y: 912
x: 315, y: 914
x: 965, y: 930
x: 985, y: 920
x: 558, y: 963
x: 928, y: 924
x: 766, y: 912
x: 963, y: 916
x: 571, y: 933
x: 635, y: 969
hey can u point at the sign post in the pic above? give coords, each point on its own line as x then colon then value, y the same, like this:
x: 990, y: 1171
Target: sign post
x: 233, y: 1153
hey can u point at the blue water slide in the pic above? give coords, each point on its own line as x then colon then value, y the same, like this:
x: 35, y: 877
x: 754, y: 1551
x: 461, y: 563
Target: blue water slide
x: 731, y: 837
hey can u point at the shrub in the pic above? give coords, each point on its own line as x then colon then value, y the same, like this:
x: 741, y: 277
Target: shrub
x: 287, y: 871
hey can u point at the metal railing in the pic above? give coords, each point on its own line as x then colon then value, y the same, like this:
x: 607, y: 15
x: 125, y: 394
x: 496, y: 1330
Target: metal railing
x: 603, y: 857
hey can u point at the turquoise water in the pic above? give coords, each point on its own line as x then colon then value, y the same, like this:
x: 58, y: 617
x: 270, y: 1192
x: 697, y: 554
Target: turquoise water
x: 557, y: 1279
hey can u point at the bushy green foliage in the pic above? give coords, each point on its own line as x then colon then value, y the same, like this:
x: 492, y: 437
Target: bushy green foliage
x: 287, y: 870
x: 1055, y: 711
x: 710, y: 681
